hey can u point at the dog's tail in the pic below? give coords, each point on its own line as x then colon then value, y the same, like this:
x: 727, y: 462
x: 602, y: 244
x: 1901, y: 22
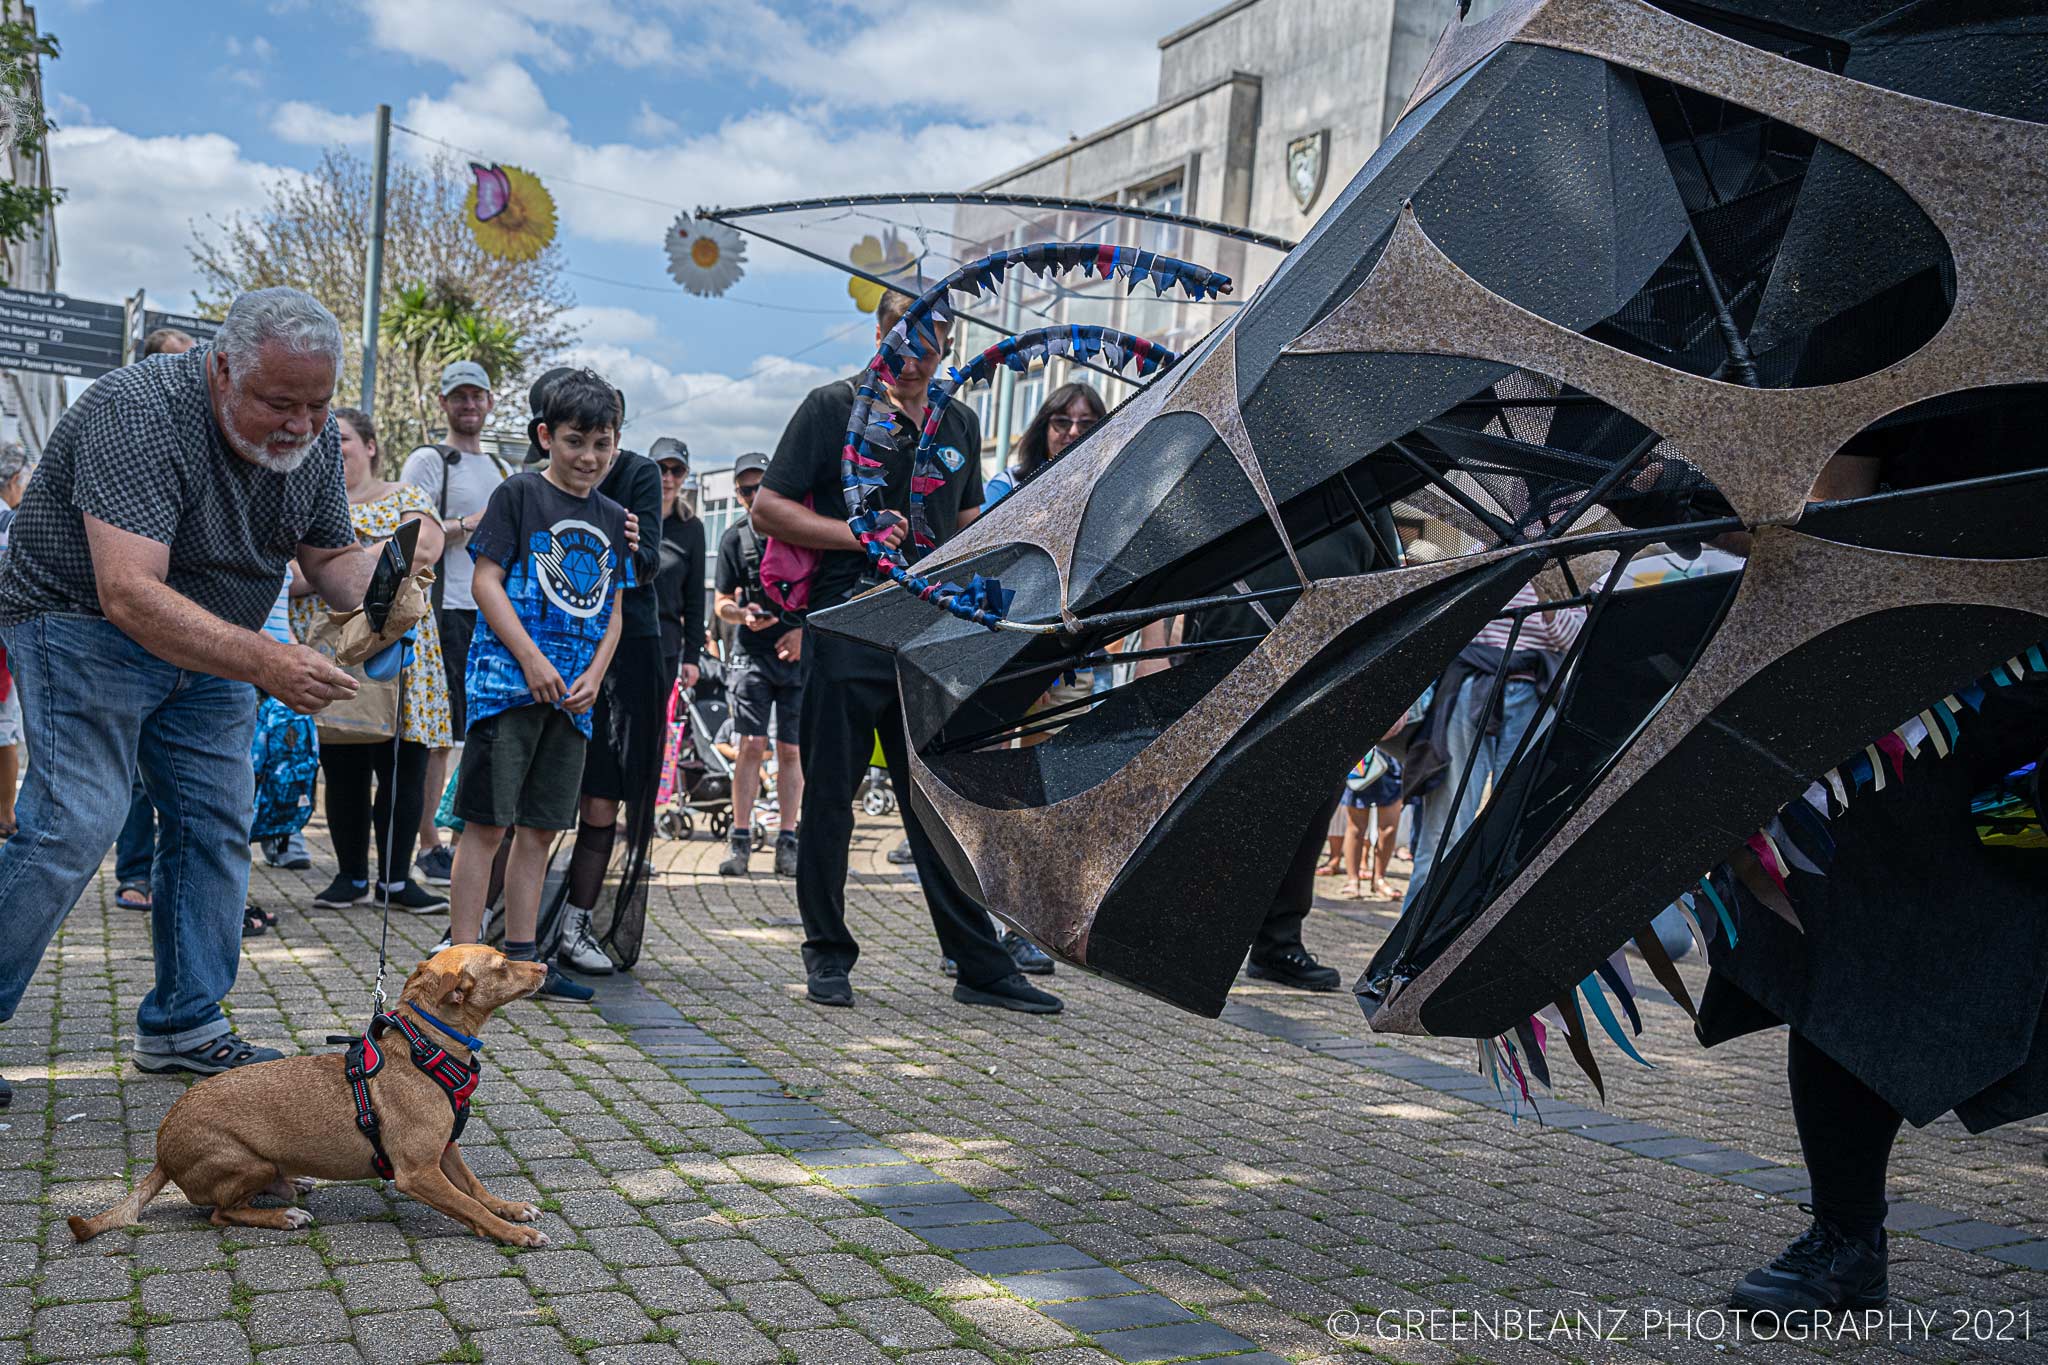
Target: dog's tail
x: 128, y: 1211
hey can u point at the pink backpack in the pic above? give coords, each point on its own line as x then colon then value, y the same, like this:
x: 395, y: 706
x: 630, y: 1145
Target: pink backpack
x: 785, y: 570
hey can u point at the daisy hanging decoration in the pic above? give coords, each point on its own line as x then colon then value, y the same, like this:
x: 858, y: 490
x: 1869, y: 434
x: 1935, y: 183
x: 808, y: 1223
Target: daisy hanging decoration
x: 704, y: 256
x: 511, y: 212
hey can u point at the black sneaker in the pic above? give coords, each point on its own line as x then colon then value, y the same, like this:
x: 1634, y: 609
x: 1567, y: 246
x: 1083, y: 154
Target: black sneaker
x: 436, y: 866
x: 1029, y: 957
x: 559, y: 987
x: 737, y: 856
x: 1297, y: 968
x: 341, y: 893
x: 1013, y: 992
x: 209, y: 1058
x: 6, y: 1093
x: 414, y: 899
x: 785, y: 853
x: 1826, y: 1270
x: 829, y: 988
x: 901, y: 854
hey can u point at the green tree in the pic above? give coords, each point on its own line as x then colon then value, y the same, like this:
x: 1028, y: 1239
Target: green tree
x: 431, y: 325
x: 22, y: 119
x: 311, y: 234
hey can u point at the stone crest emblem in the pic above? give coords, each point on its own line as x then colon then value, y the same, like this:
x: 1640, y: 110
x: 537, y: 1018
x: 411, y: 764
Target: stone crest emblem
x: 1308, y: 161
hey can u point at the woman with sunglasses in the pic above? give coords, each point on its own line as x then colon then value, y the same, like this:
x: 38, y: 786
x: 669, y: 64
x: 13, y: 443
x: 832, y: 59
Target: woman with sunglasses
x: 1064, y: 418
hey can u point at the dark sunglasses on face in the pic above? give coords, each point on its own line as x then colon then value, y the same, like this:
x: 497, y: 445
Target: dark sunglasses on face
x: 746, y: 490
x: 1079, y: 426
x: 674, y: 471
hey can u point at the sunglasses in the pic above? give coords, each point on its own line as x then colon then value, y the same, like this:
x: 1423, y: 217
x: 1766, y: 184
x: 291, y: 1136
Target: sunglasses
x: 674, y: 471
x: 1079, y: 426
x: 746, y: 490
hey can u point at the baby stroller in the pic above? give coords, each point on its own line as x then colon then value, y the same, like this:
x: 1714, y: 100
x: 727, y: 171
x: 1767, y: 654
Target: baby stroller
x: 696, y: 773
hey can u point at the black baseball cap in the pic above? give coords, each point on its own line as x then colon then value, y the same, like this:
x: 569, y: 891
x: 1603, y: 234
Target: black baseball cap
x: 753, y: 462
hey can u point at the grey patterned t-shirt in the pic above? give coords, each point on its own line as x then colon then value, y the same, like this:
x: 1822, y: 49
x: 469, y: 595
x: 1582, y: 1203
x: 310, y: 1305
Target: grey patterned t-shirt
x: 141, y: 451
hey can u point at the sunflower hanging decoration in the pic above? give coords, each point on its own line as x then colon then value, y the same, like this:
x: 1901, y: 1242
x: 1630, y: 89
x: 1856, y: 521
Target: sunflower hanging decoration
x: 705, y: 256
x: 510, y: 211
x: 885, y: 259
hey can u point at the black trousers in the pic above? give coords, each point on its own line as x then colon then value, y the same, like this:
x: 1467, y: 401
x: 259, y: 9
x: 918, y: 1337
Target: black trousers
x: 1845, y: 1131
x: 850, y: 695
x: 354, y: 817
x: 1281, y: 931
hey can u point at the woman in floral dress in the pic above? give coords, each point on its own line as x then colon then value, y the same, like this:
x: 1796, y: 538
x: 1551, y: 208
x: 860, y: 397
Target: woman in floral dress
x: 395, y: 768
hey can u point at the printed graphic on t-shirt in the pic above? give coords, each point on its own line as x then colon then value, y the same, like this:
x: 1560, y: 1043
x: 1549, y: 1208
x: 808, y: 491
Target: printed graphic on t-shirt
x: 575, y: 563
x: 564, y: 564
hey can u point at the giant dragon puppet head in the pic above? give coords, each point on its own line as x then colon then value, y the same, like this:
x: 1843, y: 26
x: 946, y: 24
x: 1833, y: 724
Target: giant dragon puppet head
x: 1626, y: 275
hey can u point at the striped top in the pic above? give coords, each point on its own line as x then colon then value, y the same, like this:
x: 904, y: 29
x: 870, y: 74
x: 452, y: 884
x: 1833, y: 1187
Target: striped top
x: 1548, y: 630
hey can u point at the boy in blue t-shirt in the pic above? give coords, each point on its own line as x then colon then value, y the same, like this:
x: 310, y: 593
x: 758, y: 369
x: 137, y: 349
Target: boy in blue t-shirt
x: 551, y: 567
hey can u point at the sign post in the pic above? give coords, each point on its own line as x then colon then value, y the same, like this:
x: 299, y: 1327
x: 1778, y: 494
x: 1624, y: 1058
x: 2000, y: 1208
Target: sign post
x: 54, y: 334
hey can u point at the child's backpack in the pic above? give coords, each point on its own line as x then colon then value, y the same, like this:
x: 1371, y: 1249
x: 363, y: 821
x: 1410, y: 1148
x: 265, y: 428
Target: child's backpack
x: 286, y: 756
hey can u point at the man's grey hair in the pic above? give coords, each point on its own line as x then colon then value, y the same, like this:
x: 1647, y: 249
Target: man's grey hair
x: 13, y: 460
x: 281, y: 314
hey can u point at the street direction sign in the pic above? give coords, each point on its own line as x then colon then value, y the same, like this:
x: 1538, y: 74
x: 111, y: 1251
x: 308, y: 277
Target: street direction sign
x: 198, y: 328
x: 55, y: 334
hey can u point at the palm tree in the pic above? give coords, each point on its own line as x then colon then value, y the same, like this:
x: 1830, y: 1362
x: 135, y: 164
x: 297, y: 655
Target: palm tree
x: 432, y: 325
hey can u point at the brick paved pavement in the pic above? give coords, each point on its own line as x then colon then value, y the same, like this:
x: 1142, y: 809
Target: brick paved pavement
x: 732, y: 1174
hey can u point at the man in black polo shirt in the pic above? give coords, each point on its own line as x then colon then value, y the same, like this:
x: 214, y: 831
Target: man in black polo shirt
x: 850, y: 689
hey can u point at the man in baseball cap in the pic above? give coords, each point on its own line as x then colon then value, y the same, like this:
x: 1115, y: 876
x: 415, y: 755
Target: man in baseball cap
x: 459, y: 478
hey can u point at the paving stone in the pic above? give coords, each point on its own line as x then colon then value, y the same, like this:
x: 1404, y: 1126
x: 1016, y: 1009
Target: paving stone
x: 1973, y: 1234
x: 403, y: 1338
x: 326, y: 1353
x: 1096, y: 1316
x: 197, y: 1343
x: 383, y: 1287
x: 940, y: 1275
x: 297, y: 1318
x: 1086, y: 1283
x: 724, y: 1337
x: 672, y: 1289
x: 196, y: 1296
x: 896, y: 1325
x: 1171, y: 1342
x: 732, y: 1260
x: 833, y: 1346
x: 1009, y: 1323
x: 611, y: 1319
x: 563, y: 1272
x: 633, y: 1246
x: 985, y: 1236
x: 269, y: 1268
x: 839, y: 1275
x: 476, y: 1304
x: 80, y: 1281
x: 782, y: 1303
x: 522, y: 1346
x: 1027, y: 1260
x: 74, y: 1330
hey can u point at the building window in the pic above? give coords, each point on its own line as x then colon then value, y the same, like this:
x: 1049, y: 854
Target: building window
x: 1161, y: 196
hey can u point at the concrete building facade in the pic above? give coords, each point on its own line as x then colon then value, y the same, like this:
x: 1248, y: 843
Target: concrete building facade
x: 1266, y: 109
x: 29, y: 403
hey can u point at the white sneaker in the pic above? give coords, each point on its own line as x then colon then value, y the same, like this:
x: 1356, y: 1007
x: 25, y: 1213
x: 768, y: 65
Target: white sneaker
x: 580, y: 948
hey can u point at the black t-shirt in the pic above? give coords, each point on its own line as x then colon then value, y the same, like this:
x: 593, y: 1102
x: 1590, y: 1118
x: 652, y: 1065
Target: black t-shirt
x: 679, y: 588
x: 634, y: 483
x: 1343, y: 553
x: 807, y: 462
x: 743, y: 581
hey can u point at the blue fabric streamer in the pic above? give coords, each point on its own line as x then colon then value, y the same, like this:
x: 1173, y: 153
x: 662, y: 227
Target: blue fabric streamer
x: 1720, y: 908
x: 1602, y: 1011
x: 1606, y: 973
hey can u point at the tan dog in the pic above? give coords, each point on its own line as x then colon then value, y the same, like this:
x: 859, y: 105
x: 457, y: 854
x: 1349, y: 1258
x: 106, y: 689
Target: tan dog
x: 273, y: 1127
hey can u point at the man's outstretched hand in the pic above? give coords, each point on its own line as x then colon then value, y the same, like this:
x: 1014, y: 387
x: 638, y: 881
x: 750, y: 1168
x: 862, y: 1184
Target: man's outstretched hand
x: 305, y: 679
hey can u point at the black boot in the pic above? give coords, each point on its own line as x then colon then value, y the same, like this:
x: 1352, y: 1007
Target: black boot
x: 1825, y: 1270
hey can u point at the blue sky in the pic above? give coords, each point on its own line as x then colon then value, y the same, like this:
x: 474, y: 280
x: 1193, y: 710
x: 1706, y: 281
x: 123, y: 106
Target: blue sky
x: 171, y: 113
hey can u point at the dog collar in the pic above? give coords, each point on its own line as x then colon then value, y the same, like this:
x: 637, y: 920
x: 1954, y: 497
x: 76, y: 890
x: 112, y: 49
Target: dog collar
x: 473, y: 1044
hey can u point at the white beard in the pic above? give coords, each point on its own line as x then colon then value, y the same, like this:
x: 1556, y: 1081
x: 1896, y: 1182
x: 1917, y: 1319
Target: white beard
x: 278, y: 461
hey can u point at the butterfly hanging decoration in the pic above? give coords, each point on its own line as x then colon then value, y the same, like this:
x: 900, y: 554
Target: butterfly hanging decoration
x: 510, y: 212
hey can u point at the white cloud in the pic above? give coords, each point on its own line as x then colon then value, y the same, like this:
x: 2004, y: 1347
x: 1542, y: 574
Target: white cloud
x: 654, y: 126
x: 66, y: 110
x: 125, y: 222
x: 311, y: 126
x: 462, y: 34
x: 600, y: 325
x: 1069, y: 65
x: 716, y: 415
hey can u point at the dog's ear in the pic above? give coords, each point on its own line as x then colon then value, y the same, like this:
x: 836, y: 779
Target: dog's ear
x: 459, y: 990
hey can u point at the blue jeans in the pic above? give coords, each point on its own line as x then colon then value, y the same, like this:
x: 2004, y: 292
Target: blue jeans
x: 135, y: 846
x: 97, y: 706
x: 1436, y: 825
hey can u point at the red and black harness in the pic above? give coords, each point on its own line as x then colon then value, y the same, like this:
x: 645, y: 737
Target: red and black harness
x: 365, y: 1059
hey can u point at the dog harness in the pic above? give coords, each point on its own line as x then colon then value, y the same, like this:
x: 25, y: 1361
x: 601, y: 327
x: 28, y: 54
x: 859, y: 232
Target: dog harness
x: 365, y: 1059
